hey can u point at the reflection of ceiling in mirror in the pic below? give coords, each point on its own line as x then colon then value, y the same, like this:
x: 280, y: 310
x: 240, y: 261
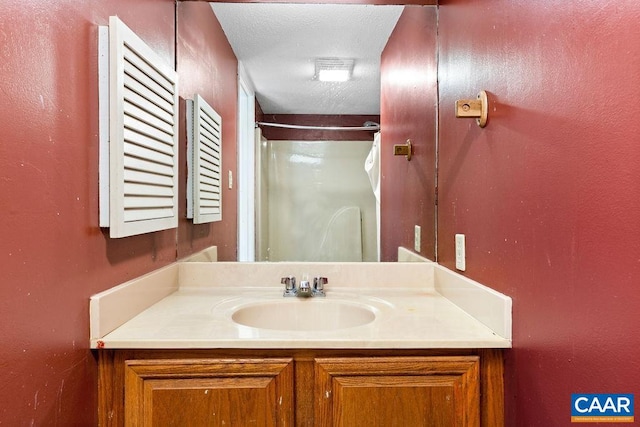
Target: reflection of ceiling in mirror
x: 278, y: 43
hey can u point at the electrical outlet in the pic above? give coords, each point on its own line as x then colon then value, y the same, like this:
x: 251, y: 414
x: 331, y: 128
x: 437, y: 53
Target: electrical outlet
x: 416, y: 238
x: 461, y: 262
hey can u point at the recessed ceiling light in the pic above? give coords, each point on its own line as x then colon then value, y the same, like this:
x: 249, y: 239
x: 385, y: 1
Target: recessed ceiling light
x: 333, y: 69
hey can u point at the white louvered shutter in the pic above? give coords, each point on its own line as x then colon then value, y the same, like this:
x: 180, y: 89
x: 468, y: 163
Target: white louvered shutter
x: 143, y: 136
x: 205, y: 162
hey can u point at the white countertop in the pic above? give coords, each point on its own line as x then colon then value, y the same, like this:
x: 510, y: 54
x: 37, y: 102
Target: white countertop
x: 417, y: 316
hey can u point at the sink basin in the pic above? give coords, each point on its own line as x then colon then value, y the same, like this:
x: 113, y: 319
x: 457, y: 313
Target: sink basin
x: 309, y: 314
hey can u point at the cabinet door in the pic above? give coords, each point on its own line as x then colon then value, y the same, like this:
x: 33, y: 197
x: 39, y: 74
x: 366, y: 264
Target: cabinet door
x: 397, y: 391
x: 209, y: 392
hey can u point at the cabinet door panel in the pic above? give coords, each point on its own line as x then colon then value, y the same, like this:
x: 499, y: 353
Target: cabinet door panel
x: 427, y: 391
x: 415, y: 401
x: 208, y: 393
x: 197, y: 403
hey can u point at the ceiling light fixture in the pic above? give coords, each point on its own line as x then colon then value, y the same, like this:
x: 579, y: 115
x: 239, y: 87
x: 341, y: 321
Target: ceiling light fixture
x: 333, y: 69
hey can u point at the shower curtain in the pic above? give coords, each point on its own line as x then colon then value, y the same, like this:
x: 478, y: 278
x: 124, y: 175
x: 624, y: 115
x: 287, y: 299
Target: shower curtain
x: 320, y: 206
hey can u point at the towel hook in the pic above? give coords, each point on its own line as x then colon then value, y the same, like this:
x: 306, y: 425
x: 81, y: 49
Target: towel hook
x: 474, y: 108
x: 403, y: 149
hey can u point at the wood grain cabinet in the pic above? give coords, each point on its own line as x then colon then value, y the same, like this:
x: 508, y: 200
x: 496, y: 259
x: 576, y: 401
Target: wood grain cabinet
x: 319, y: 388
x: 397, y: 391
x: 208, y: 392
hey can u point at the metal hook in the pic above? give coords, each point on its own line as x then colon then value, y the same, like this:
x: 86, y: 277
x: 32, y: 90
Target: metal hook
x: 403, y: 149
x: 474, y: 108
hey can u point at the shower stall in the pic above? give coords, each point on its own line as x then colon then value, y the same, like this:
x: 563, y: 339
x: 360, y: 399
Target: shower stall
x: 314, y: 201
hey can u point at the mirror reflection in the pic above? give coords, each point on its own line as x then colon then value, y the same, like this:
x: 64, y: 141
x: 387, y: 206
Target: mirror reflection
x: 314, y: 198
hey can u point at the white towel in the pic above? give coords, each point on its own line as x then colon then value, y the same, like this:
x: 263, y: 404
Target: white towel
x: 372, y: 166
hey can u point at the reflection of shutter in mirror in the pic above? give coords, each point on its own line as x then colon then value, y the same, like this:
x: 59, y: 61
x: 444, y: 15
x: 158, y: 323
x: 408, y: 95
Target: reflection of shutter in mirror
x: 204, y: 161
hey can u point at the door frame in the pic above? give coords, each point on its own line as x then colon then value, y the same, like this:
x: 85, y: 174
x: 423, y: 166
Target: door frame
x: 246, y: 167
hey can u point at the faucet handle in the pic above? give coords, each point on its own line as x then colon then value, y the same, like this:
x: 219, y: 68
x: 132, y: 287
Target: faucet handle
x: 318, y: 285
x: 289, y: 283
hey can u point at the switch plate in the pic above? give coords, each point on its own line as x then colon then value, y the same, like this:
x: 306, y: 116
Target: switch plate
x: 461, y: 262
x: 230, y: 180
x: 416, y: 238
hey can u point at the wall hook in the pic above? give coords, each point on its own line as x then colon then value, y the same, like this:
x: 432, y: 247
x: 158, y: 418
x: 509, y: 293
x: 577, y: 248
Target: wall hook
x: 403, y: 149
x: 474, y: 108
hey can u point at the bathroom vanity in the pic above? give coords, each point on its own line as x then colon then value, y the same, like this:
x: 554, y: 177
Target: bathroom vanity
x: 301, y: 387
x: 390, y: 344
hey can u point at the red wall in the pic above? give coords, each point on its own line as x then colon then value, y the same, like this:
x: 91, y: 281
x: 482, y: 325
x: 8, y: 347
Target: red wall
x: 408, y: 111
x: 208, y: 66
x: 53, y: 255
x: 548, y: 194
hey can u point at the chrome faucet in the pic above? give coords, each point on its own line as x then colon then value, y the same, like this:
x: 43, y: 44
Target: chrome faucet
x: 305, y: 289
x: 289, y: 283
x: 318, y: 286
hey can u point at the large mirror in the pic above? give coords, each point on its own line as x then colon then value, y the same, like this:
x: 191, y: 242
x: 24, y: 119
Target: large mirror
x: 317, y: 190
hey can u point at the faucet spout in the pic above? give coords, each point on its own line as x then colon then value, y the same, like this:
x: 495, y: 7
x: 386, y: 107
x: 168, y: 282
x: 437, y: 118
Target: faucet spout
x: 305, y: 289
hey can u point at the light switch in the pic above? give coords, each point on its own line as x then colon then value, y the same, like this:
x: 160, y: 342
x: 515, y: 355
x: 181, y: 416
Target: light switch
x: 416, y: 238
x: 461, y: 263
x: 230, y: 180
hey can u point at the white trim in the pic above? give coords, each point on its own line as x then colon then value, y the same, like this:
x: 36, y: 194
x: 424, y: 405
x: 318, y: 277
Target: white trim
x: 246, y: 167
x: 103, y: 126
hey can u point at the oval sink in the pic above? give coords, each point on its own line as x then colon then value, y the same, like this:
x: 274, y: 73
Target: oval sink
x: 296, y: 314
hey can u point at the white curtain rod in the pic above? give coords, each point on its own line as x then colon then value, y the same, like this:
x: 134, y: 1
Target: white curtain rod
x: 375, y: 127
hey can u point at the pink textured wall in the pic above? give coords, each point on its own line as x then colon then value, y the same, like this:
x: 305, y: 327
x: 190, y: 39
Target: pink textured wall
x: 548, y: 194
x: 53, y: 255
x: 208, y: 66
x: 408, y: 111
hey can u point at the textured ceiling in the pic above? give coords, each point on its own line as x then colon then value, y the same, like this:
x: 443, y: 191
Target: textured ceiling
x: 278, y: 43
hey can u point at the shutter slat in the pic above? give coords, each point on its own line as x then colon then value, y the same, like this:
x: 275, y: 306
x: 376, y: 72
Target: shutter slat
x: 148, y: 119
x: 147, y: 178
x: 212, y: 130
x: 210, y: 148
x: 148, y: 95
x: 209, y: 188
x: 136, y: 215
x: 210, y: 181
x: 133, y: 202
x: 141, y: 152
x: 134, y: 78
x: 134, y: 163
x: 150, y: 108
x: 209, y: 161
x: 136, y: 125
x: 140, y: 71
x: 135, y: 138
x: 134, y: 189
x: 208, y: 174
x: 209, y: 136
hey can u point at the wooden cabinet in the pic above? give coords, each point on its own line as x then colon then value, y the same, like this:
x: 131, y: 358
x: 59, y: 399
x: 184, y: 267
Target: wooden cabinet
x: 207, y: 392
x: 397, y: 391
x: 319, y: 388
